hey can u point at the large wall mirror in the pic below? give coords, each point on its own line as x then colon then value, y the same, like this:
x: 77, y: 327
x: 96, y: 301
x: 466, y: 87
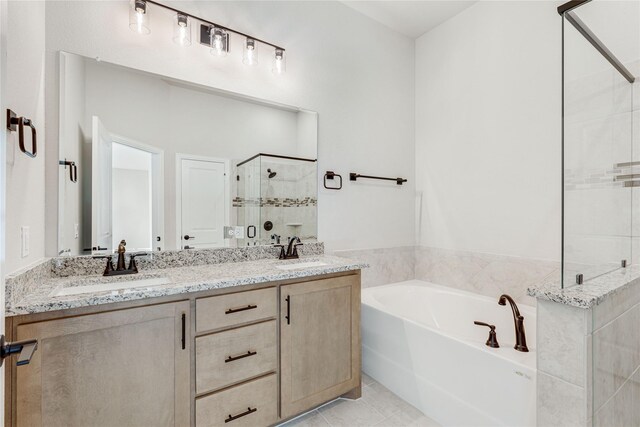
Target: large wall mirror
x: 166, y: 164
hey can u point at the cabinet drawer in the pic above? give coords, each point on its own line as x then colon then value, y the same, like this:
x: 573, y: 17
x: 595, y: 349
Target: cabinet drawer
x: 233, y: 309
x: 232, y: 356
x: 252, y: 404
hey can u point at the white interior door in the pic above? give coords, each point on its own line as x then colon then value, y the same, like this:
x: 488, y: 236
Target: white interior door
x: 101, y: 181
x: 203, y: 204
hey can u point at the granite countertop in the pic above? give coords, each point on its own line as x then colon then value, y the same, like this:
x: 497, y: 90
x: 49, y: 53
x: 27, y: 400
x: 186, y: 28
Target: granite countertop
x: 179, y: 280
x: 592, y: 292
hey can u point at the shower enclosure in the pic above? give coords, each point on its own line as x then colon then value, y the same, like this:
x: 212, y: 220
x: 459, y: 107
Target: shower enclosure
x: 276, y: 199
x: 601, y: 141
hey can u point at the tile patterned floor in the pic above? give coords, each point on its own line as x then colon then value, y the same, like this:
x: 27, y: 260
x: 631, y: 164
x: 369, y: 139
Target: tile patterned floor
x: 377, y: 407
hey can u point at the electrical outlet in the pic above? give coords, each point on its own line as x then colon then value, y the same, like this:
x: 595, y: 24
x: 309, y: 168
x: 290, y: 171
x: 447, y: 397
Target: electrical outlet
x: 229, y: 232
x: 76, y: 230
x: 239, y: 232
x: 24, y: 241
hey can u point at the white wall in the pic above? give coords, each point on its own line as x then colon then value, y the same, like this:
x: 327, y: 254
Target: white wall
x: 25, y: 189
x: 488, y: 130
x: 356, y: 73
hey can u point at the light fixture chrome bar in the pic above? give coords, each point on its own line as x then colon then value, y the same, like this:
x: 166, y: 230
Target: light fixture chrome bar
x: 600, y: 47
x: 206, y: 21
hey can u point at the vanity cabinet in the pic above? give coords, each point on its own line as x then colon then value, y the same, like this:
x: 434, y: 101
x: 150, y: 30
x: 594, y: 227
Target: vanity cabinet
x: 320, y: 342
x: 103, y: 369
x: 254, y: 356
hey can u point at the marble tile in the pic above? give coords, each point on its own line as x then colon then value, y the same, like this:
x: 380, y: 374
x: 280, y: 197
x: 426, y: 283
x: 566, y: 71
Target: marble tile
x: 386, y: 265
x: 351, y: 413
x: 615, y: 305
x: 562, y: 341
x: 560, y: 403
x: 485, y: 274
x: 622, y: 409
x: 616, y: 355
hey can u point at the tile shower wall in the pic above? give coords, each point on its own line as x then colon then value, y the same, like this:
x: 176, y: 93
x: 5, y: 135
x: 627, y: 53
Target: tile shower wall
x: 485, y: 274
x: 589, y: 370
x: 386, y: 265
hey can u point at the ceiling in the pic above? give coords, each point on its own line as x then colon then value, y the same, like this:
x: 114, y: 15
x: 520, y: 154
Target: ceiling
x: 411, y: 18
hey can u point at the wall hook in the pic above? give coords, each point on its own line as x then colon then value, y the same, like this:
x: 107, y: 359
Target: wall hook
x: 18, y: 123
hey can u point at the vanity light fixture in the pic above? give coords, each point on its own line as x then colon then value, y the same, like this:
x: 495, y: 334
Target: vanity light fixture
x: 279, y: 62
x: 182, y: 30
x: 212, y: 35
x: 250, y: 56
x: 219, y: 40
x: 138, y: 17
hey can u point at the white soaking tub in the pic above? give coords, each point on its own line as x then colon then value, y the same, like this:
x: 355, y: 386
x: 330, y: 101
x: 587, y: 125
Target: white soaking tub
x: 419, y: 341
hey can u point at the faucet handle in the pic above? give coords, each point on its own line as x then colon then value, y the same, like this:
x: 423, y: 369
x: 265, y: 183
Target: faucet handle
x: 493, y: 338
x: 282, y: 254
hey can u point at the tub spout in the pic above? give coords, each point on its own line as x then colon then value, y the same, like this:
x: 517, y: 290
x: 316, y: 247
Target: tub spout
x: 518, y: 320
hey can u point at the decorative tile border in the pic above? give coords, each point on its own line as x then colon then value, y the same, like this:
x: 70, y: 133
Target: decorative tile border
x: 287, y: 202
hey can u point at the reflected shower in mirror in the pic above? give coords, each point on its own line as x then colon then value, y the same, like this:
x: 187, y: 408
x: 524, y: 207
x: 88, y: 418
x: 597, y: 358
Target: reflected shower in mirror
x: 166, y: 164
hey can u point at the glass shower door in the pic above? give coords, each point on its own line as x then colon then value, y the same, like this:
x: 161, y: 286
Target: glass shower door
x: 598, y: 165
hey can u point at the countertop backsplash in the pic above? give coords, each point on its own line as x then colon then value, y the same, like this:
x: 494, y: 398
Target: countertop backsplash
x: 26, y: 281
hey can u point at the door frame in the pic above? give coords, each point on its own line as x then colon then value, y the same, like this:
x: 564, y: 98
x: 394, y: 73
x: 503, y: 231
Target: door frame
x: 157, y: 187
x: 3, y: 170
x: 227, y: 191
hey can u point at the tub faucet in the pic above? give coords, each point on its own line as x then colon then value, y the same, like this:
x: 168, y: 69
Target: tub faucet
x: 518, y: 320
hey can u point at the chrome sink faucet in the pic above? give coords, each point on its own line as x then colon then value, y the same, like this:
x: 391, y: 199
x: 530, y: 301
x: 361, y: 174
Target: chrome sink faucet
x: 518, y: 320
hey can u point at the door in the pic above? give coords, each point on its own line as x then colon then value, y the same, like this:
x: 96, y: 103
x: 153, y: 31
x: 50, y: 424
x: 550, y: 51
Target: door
x: 101, y: 182
x: 320, y: 341
x: 119, y: 368
x: 203, y: 203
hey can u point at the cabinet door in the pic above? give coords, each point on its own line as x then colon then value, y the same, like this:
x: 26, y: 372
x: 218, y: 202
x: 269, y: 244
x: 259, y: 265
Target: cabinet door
x: 320, y: 341
x: 119, y: 368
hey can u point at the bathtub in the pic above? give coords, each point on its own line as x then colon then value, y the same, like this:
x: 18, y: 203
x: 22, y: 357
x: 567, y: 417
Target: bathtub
x: 419, y: 341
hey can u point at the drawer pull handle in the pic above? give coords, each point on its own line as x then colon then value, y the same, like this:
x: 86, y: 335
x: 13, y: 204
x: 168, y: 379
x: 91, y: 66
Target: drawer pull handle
x: 242, y: 356
x: 235, y: 417
x: 235, y: 310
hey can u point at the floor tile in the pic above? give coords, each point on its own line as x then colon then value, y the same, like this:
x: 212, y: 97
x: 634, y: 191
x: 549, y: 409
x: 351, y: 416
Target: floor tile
x: 367, y: 380
x: 310, y: 419
x: 408, y: 417
x: 350, y: 413
x: 383, y: 400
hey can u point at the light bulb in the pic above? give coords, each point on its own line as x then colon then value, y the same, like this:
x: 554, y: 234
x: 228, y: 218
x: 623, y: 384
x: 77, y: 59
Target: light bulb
x: 219, y: 41
x: 138, y: 17
x: 279, y: 62
x: 182, y: 30
x: 250, y: 56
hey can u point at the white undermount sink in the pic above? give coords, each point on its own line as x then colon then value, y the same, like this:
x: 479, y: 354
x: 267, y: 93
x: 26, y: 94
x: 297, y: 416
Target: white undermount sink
x: 105, y: 287
x: 300, y: 265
